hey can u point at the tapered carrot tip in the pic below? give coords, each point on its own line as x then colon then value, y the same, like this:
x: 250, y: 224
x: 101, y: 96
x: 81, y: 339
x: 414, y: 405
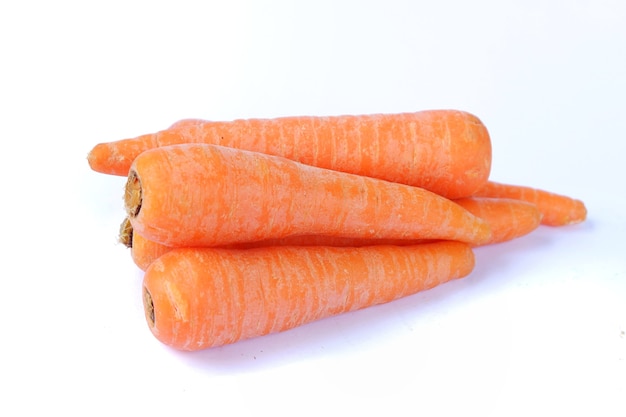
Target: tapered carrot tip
x: 508, y: 218
x: 116, y: 160
x: 105, y: 159
x: 557, y: 209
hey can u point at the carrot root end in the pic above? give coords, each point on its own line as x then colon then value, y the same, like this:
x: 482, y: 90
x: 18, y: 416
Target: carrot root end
x: 126, y: 233
x: 132, y: 195
x: 148, y: 306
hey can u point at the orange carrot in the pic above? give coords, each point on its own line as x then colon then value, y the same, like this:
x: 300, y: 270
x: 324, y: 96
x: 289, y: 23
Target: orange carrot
x: 507, y: 218
x: 207, y: 195
x: 557, y: 209
x: 445, y: 151
x: 197, y: 298
x: 142, y: 251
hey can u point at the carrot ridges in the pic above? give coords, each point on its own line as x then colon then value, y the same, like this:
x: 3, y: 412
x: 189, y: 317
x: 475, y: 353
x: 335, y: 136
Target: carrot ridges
x: 249, y: 227
x: 445, y: 151
x: 196, y: 298
x: 243, y: 196
x: 557, y: 209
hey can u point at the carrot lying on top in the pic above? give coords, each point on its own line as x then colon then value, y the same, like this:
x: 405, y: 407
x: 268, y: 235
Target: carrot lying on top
x: 557, y: 209
x: 196, y: 298
x: 207, y: 195
x: 445, y: 151
x: 507, y: 218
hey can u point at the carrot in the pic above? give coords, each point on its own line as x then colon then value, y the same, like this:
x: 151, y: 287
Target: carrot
x: 145, y: 251
x: 445, y: 151
x: 207, y: 195
x: 197, y: 298
x: 557, y: 209
x: 507, y: 218
x: 142, y: 251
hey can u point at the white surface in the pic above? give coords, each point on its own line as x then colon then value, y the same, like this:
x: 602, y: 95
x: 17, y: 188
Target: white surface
x: 537, y: 329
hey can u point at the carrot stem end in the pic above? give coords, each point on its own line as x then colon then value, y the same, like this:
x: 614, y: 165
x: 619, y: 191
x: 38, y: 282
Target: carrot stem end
x: 148, y: 307
x: 133, y: 195
x: 126, y: 233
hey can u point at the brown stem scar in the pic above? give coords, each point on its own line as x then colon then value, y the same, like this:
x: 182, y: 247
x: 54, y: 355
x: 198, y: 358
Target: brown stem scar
x: 132, y: 195
x: 126, y: 233
x: 148, y: 306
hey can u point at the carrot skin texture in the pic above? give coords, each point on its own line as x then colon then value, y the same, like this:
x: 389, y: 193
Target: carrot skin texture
x: 206, y: 195
x: 507, y: 218
x: 556, y: 209
x: 145, y: 251
x: 445, y: 151
x: 206, y: 297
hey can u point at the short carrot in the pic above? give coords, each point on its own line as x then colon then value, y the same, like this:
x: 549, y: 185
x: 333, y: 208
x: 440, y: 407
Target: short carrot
x: 197, y: 298
x: 507, y: 218
x: 207, y: 195
x: 445, y: 151
x: 557, y: 209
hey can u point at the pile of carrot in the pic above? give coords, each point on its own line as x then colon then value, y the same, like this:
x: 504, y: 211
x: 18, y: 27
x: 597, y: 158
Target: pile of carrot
x: 249, y: 227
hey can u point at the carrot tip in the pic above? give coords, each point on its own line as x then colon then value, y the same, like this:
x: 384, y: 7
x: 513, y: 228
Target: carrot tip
x: 148, y: 306
x: 132, y: 195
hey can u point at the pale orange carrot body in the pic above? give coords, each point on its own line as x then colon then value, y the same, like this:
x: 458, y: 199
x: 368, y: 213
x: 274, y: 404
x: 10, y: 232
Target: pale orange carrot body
x: 206, y: 297
x: 445, y: 151
x: 507, y: 218
x: 556, y: 209
x: 206, y: 195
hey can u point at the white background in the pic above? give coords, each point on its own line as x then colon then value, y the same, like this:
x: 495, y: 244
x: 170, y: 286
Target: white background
x: 537, y: 329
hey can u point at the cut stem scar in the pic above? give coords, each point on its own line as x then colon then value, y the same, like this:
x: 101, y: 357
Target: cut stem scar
x: 126, y: 233
x: 148, y: 306
x: 132, y: 195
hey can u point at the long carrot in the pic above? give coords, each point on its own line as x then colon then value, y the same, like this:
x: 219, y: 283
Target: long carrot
x: 507, y: 218
x: 145, y: 251
x: 206, y: 297
x: 207, y: 195
x: 556, y: 209
x: 445, y: 151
